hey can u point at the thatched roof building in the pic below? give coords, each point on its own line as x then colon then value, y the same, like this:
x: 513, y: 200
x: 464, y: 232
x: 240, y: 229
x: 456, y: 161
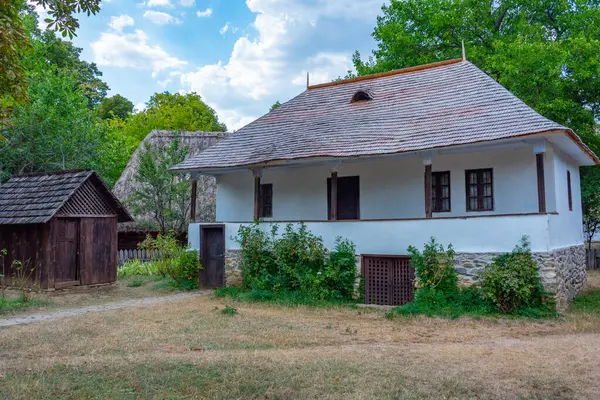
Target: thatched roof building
x: 196, y: 143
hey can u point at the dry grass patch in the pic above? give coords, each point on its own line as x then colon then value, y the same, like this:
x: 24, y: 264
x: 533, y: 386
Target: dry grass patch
x: 87, y: 296
x: 189, y: 349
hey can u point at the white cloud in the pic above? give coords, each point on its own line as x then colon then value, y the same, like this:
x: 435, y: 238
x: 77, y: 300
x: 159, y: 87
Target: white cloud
x: 161, y: 18
x: 224, y: 29
x: 159, y: 3
x: 292, y: 36
x: 187, y: 3
x: 132, y: 50
x: 206, y: 13
x: 120, y: 22
x: 42, y: 13
x: 139, y: 107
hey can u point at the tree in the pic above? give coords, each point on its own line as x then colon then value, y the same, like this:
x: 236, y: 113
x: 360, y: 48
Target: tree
x: 590, y: 197
x: 115, y: 107
x: 163, y: 196
x: 49, y: 49
x: 544, y: 51
x: 171, y: 111
x: 54, y: 130
x: 275, y: 106
x: 14, y: 40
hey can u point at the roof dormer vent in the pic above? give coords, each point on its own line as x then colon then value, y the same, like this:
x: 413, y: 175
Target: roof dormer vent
x: 361, y: 95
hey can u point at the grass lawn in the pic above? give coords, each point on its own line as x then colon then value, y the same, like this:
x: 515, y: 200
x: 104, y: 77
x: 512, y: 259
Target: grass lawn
x: 123, y: 289
x: 191, y: 349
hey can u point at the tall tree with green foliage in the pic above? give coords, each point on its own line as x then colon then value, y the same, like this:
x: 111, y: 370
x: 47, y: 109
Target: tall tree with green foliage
x: 14, y: 40
x: 116, y: 106
x: 163, y: 197
x: 170, y: 111
x: 543, y: 51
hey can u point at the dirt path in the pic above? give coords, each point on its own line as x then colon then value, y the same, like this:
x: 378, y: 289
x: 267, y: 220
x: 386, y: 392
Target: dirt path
x: 52, y: 315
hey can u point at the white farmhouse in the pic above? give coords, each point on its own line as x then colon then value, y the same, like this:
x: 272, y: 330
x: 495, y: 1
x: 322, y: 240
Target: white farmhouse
x: 392, y: 159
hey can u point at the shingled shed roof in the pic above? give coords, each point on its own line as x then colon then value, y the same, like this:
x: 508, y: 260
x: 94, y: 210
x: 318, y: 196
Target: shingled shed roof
x: 36, y: 198
x: 421, y: 108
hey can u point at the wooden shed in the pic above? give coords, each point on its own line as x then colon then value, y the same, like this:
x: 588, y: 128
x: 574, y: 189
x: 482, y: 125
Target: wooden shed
x: 63, y: 223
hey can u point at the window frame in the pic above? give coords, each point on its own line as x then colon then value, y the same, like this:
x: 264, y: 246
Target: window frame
x: 265, y: 208
x: 480, y: 190
x: 437, y: 200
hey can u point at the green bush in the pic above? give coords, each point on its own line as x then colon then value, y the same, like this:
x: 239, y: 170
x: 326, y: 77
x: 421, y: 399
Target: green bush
x: 434, y: 268
x: 137, y: 268
x: 512, y: 281
x: 183, y: 269
x: 295, y: 262
x: 178, y: 263
x: 510, y: 285
x: 230, y: 311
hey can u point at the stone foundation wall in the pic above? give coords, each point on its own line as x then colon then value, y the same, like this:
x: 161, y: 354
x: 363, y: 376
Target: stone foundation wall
x: 232, y: 268
x: 562, y: 271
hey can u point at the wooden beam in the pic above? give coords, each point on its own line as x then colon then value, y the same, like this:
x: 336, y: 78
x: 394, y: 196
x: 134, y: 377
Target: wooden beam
x: 541, y: 183
x: 428, y: 191
x: 256, y: 196
x: 334, y: 202
x: 194, y: 197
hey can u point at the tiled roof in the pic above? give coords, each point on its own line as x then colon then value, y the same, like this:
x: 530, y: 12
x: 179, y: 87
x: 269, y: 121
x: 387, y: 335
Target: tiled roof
x: 36, y: 198
x: 438, y: 105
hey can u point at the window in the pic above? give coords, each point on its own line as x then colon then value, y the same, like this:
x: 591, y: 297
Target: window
x: 348, y: 194
x: 440, y: 193
x: 361, y: 95
x: 266, y: 201
x: 569, y: 193
x: 480, y: 191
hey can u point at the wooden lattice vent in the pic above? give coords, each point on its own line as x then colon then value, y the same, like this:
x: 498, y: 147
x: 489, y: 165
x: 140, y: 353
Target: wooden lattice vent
x: 87, y: 200
x: 389, y: 280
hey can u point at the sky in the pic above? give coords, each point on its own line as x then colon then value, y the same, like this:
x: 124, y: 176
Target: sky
x: 240, y: 56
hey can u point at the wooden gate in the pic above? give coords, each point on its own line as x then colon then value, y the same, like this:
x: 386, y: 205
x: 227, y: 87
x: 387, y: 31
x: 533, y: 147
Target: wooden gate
x: 388, y: 279
x: 67, y: 252
x: 212, y: 256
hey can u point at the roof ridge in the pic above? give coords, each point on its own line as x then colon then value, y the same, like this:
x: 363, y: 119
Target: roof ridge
x: 388, y: 73
x: 52, y: 173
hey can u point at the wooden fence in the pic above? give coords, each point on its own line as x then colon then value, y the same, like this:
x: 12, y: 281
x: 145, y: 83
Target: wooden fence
x: 593, y: 258
x: 137, y: 254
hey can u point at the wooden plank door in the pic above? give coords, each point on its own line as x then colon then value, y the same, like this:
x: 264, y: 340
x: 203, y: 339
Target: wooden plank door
x: 67, y: 252
x: 212, y: 257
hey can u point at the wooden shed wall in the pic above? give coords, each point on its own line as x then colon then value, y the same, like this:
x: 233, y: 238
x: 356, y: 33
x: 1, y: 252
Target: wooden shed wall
x: 98, y: 250
x: 31, y: 244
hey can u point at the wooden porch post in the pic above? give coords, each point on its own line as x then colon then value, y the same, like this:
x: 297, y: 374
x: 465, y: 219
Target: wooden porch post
x: 428, y: 190
x: 539, y: 149
x: 257, y: 175
x: 193, y: 205
x: 333, y: 211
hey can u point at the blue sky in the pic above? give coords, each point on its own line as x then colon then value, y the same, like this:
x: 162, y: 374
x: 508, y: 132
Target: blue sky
x: 240, y: 56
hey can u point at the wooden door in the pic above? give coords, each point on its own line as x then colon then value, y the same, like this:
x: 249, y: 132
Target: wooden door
x: 388, y: 279
x: 212, y: 256
x: 67, y: 252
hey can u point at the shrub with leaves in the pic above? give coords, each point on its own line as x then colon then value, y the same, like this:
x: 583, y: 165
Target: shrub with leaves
x: 512, y: 281
x: 295, y: 262
x: 179, y: 263
x: 434, y: 267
